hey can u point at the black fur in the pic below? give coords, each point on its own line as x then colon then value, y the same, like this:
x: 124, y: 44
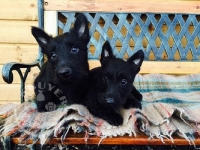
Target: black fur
x: 64, y: 77
x: 111, y: 86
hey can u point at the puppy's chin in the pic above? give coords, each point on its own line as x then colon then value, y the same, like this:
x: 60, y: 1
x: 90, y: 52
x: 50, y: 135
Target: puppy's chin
x: 66, y: 80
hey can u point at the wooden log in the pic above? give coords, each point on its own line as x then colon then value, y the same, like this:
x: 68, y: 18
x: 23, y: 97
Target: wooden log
x: 17, y: 31
x: 11, y: 92
x: 23, y: 53
x: 19, y: 10
x: 138, y: 6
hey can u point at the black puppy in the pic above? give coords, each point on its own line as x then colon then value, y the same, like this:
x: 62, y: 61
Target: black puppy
x: 111, y: 86
x: 64, y: 77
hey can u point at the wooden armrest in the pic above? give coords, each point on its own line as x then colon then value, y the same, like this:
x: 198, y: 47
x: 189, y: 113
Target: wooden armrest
x: 140, y: 139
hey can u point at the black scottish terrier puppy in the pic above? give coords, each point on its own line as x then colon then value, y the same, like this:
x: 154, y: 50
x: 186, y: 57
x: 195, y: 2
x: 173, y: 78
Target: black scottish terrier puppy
x: 64, y: 76
x: 111, y: 86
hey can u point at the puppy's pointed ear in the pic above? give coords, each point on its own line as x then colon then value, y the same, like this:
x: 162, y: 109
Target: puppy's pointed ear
x: 137, y: 59
x: 106, y: 51
x: 81, y: 27
x: 41, y: 37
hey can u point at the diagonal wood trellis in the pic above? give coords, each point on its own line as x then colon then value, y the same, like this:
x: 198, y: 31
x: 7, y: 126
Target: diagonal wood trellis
x: 162, y: 36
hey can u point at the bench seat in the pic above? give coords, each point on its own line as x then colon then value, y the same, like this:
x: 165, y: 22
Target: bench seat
x: 140, y: 139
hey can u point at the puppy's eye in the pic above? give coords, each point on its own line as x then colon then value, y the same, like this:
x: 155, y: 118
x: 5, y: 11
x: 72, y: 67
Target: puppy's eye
x: 124, y: 82
x: 105, y: 78
x: 74, y: 49
x: 53, y: 56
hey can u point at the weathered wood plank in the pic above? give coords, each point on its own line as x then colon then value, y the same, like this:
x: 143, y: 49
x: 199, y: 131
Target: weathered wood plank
x: 172, y: 67
x: 18, y: 10
x: 16, y: 31
x: 153, y: 6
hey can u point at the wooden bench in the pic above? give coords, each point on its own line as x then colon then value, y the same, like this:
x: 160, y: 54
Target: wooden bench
x: 167, y: 30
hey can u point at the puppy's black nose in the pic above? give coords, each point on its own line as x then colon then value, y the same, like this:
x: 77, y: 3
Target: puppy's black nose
x: 109, y: 100
x: 65, y: 72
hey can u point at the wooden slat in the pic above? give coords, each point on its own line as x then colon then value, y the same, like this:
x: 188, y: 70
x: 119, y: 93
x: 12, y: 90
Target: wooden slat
x: 24, y: 53
x: 16, y: 31
x: 120, y: 140
x: 51, y: 22
x: 177, y: 68
x: 18, y: 10
x: 153, y: 6
x: 11, y: 92
x: 171, y: 67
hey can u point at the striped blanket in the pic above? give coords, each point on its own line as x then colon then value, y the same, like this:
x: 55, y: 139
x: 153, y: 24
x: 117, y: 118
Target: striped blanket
x: 171, y: 105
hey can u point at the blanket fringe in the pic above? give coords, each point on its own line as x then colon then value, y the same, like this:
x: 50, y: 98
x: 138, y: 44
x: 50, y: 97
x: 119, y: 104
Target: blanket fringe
x: 80, y: 121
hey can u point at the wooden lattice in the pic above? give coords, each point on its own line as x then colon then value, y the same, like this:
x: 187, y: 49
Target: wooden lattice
x: 161, y: 36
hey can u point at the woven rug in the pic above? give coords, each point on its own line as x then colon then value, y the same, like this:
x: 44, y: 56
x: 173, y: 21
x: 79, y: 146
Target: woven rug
x: 170, y: 106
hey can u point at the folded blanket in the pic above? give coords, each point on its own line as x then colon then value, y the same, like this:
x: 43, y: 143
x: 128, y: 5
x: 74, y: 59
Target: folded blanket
x: 171, y: 105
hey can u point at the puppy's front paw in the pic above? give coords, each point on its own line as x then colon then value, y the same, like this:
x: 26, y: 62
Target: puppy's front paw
x: 132, y: 103
x: 137, y: 104
x: 115, y: 120
x: 137, y: 94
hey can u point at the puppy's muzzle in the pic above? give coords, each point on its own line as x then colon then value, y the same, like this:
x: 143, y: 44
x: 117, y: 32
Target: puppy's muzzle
x: 109, y: 100
x: 65, y: 72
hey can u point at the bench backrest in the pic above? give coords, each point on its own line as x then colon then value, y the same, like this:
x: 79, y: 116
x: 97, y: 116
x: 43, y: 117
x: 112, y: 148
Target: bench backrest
x: 167, y: 31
